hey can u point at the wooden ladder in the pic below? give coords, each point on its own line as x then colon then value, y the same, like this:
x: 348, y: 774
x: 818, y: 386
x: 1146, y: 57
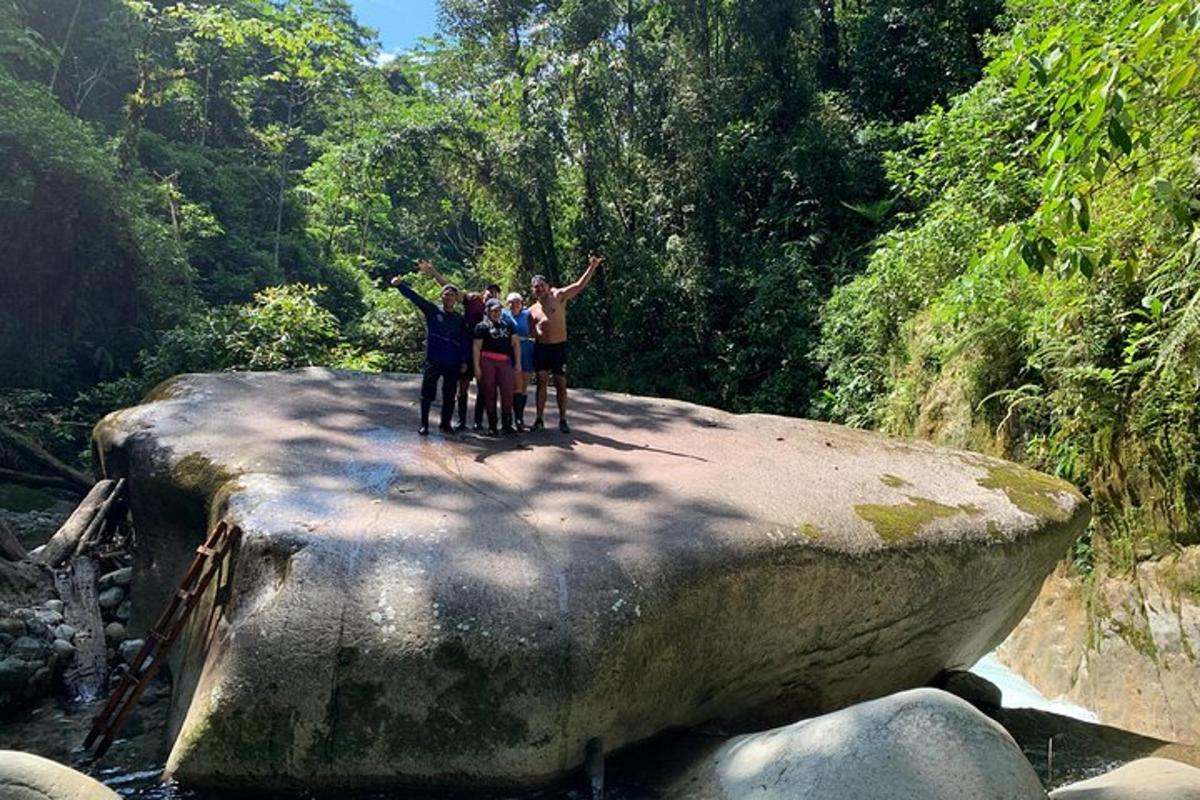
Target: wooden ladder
x: 205, y: 565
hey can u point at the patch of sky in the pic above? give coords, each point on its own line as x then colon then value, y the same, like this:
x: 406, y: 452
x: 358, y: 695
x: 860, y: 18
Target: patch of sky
x: 400, y: 23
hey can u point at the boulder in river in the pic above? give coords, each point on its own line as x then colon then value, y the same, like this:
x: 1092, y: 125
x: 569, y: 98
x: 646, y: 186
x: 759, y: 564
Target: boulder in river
x: 463, y: 611
x: 24, y: 776
x: 1144, y: 779
x: 923, y: 744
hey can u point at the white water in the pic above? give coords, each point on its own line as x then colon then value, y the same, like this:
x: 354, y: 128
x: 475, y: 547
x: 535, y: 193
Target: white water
x: 1016, y: 692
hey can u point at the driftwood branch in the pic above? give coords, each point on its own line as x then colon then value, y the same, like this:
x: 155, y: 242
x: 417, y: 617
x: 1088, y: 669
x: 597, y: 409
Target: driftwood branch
x: 39, y: 481
x: 77, y: 587
x: 36, y: 453
x: 66, y: 541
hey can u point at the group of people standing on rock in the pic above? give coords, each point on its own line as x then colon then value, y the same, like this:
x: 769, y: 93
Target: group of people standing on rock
x: 497, y: 346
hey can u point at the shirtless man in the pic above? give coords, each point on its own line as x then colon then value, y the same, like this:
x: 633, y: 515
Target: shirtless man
x: 549, y: 316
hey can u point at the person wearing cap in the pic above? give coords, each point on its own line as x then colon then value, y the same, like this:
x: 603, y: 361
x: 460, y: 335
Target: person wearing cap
x: 496, y: 351
x: 549, y: 315
x: 445, y: 350
x: 519, y: 317
x: 473, y: 303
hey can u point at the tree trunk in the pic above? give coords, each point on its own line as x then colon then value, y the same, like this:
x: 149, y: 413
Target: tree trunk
x: 829, y: 63
x: 34, y: 452
x: 11, y: 548
x: 283, y: 169
x: 66, y: 45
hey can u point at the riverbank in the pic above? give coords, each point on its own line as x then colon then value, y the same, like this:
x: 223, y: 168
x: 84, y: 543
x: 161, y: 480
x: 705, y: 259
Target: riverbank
x: 1123, y: 646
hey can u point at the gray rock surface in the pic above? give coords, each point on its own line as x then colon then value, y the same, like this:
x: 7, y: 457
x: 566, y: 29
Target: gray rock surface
x: 24, y: 776
x: 923, y: 744
x: 1145, y: 779
x: 465, y: 612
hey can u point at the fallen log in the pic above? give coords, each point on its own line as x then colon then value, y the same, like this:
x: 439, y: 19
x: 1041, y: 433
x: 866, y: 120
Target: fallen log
x: 36, y: 453
x: 39, y: 481
x: 11, y: 548
x: 111, y: 510
x: 76, y: 585
x: 65, y: 542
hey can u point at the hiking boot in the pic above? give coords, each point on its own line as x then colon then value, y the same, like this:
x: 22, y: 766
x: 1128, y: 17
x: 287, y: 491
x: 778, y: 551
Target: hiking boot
x: 563, y: 427
x: 538, y: 425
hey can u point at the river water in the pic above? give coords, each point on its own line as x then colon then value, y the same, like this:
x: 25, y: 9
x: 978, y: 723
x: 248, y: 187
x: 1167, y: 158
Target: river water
x: 133, y: 767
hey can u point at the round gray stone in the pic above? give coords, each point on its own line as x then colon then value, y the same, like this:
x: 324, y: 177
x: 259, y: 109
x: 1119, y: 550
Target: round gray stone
x: 129, y: 649
x: 24, y: 776
x: 114, y: 632
x: 111, y: 597
x: 923, y: 744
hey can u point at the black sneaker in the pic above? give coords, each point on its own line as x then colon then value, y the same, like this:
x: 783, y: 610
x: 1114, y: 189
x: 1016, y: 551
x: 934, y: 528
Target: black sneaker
x: 460, y: 427
x: 478, y: 427
x: 492, y: 432
x: 563, y: 427
x: 538, y: 425
x: 447, y: 429
x: 509, y: 430
x: 423, y: 430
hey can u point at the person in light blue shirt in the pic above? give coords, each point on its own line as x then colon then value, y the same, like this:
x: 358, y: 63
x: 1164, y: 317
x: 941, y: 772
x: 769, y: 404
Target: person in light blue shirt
x: 518, y: 316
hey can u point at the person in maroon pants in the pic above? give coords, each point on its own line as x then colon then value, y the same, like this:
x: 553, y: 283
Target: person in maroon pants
x: 496, y: 354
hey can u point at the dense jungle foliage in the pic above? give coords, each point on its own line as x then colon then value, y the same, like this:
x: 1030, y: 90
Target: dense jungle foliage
x: 968, y: 220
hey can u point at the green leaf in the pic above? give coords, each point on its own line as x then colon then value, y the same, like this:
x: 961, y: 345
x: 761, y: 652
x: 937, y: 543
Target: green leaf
x: 1119, y: 136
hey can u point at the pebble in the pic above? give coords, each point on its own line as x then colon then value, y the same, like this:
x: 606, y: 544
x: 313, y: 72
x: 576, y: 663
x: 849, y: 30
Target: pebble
x: 130, y: 648
x: 64, y: 632
x: 114, y: 632
x: 13, y: 673
x: 55, y: 606
x: 111, y: 597
x: 29, y: 648
x: 122, y: 612
x: 11, y: 626
x: 118, y: 577
x: 63, y: 648
x: 50, y: 618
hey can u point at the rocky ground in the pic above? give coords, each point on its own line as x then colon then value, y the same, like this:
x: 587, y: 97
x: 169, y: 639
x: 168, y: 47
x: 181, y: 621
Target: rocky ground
x: 36, y: 644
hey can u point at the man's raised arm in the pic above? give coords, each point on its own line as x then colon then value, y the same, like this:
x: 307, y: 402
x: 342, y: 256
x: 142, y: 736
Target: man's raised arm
x: 424, y: 305
x: 426, y: 266
x: 567, y: 292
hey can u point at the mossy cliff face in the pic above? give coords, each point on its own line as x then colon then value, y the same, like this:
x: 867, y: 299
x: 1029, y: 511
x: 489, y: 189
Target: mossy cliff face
x: 464, y: 613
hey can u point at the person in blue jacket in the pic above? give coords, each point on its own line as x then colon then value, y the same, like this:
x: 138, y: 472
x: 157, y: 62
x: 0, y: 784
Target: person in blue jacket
x: 518, y: 316
x: 445, y: 351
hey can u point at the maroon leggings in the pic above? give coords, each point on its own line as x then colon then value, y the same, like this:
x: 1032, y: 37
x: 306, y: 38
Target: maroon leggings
x: 496, y: 374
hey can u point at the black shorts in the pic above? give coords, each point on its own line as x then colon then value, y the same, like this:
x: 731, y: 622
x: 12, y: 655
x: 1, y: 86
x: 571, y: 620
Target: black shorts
x: 550, y: 358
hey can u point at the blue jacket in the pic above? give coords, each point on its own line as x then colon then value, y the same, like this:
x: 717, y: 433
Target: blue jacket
x: 446, y: 342
x: 523, y: 325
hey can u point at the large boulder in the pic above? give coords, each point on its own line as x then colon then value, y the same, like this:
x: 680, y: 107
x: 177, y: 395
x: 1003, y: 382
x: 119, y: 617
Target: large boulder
x: 923, y: 744
x: 1144, y: 779
x: 466, y: 612
x: 24, y: 776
